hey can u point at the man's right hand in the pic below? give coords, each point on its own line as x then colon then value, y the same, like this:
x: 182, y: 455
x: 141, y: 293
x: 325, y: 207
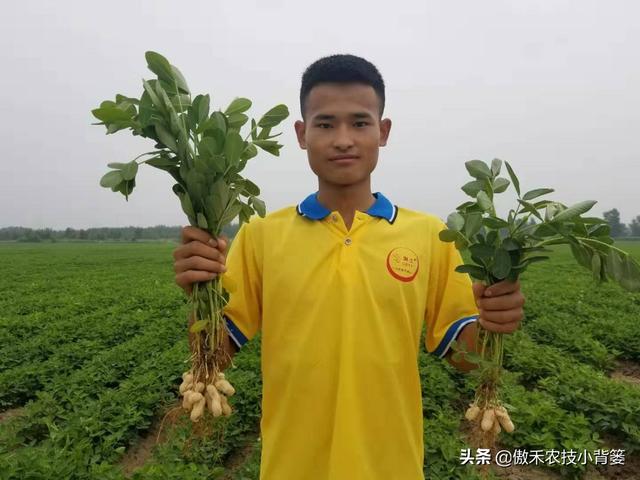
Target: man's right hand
x: 199, y: 258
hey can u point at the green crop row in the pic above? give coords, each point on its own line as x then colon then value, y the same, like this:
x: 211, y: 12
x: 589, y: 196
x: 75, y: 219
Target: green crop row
x: 95, y: 431
x: 100, y: 375
x: 612, y: 407
x: 565, y: 294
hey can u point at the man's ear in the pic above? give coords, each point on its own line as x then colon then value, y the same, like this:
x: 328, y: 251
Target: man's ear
x: 300, y: 128
x: 385, y: 128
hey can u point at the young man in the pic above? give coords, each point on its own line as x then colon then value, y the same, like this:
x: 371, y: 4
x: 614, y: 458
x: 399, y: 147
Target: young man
x: 340, y: 286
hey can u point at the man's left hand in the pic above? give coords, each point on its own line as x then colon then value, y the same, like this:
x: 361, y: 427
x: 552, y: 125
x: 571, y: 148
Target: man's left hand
x: 500, y: 306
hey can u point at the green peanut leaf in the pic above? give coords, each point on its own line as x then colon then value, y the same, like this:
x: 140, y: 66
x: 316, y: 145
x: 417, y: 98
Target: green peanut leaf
x: 574, y: 211
x: 111, y: 114
x: 599, y: 231
x: 473, y: 224
x: 581, y: 254
x: 475, y: 271
x: 111, y: 179
x: 482, y: 253
x: 199, y: 110
x: 202, y: 221
x: 124, y: 99
x: 270, y: 146
x: 484, y: 201
x: 473, y: 187
x: 545, y: 230
x: 180, y: 102
x: 249, y: 152
x: 274, y: 116
x: 496, y: 165
x: 614, y: 265
x: 500, y: 185
x: 237, y: 120
x: 125, y: 187
x: 208, y: 146
x: 166, y: 138
x: 596, y: 267
x: 180, y: 81
x: 254, y: 127
x: 251, y: 188
x: 510, y: 244
x: 501, y: 264
x: 448, y: 235
x: 601, y: 246
x: 160, y: 66
x: 258, y: 206
x: 538, y: 192
x: 494, y: 222
x: 594, y: 221
x: 116, y: 165
x: 463, y: 206
x: 231, y: 212
x: 455, y: 221
x: 129, y: 170
x: 628, y: 272
x: 238, y: 105
x: 233, y: 147
x: 145, y: 110
x: 529, y: 208
x: 514, y: 179
x: 478, y: 169
x: 185, y: 203
x: 540, y: 258
x: 161, y: 162
x: 149, y: 87
x: 461, y: 242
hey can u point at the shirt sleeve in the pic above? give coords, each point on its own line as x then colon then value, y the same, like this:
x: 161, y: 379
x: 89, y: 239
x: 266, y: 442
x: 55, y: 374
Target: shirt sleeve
x: 450, y: 301
x: 243, y: 281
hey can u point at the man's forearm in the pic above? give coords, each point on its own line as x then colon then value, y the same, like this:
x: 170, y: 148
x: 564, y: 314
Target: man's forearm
x: 467, y: 341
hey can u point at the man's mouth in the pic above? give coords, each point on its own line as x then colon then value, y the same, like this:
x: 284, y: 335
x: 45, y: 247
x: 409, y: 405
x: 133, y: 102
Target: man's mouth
x: 343, y: 158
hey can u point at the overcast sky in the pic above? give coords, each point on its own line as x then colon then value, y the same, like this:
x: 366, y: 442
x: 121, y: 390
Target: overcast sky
x: 551, y: 86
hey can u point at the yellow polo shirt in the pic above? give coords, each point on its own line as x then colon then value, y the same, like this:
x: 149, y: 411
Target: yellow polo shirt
x: 341, y: 313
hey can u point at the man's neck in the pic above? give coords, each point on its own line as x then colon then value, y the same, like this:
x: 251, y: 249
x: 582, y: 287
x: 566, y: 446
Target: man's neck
x: 346, y: 199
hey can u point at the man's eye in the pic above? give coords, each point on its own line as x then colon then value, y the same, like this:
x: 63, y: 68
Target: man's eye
x: 361, y: 124
x: 324, y: 125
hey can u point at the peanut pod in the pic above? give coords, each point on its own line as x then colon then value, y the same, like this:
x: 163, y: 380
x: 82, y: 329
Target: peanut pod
x: 198, y: 409
x: 503, y: 417
x: 472, y: 412
x: 487, y: 419
x: 496, y: 427
x: 225, y: 387
x: 226, y: 408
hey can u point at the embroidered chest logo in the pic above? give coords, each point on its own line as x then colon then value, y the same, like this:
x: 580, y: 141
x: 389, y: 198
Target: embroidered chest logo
x: 402, y: 264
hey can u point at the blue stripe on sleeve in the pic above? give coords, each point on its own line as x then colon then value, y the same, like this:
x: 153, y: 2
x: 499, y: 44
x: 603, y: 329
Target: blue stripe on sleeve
x: 234, y: 332
x: 452, y: 333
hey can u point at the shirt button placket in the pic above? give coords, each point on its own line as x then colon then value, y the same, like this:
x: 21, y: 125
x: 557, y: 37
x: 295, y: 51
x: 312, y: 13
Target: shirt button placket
x: 347, y: 241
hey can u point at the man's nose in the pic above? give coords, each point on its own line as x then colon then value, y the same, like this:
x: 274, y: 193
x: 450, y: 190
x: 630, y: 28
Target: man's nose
x: 342, y: 139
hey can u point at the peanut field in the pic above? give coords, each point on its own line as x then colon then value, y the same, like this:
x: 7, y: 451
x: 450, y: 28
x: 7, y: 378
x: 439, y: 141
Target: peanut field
x: 93, y: 343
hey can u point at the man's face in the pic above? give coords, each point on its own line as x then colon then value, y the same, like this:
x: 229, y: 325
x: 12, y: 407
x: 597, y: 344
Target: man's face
x: 342, y: 132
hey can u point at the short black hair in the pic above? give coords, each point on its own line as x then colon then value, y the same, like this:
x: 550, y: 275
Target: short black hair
x: 341, y: 68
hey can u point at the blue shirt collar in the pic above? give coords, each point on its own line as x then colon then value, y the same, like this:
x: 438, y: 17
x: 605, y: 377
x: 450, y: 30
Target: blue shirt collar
x: 311, y: 208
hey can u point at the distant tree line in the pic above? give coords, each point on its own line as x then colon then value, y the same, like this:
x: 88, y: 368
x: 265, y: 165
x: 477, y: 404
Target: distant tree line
x: 619, y: 229
x: 124, y: 234
x: 163, y: 232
